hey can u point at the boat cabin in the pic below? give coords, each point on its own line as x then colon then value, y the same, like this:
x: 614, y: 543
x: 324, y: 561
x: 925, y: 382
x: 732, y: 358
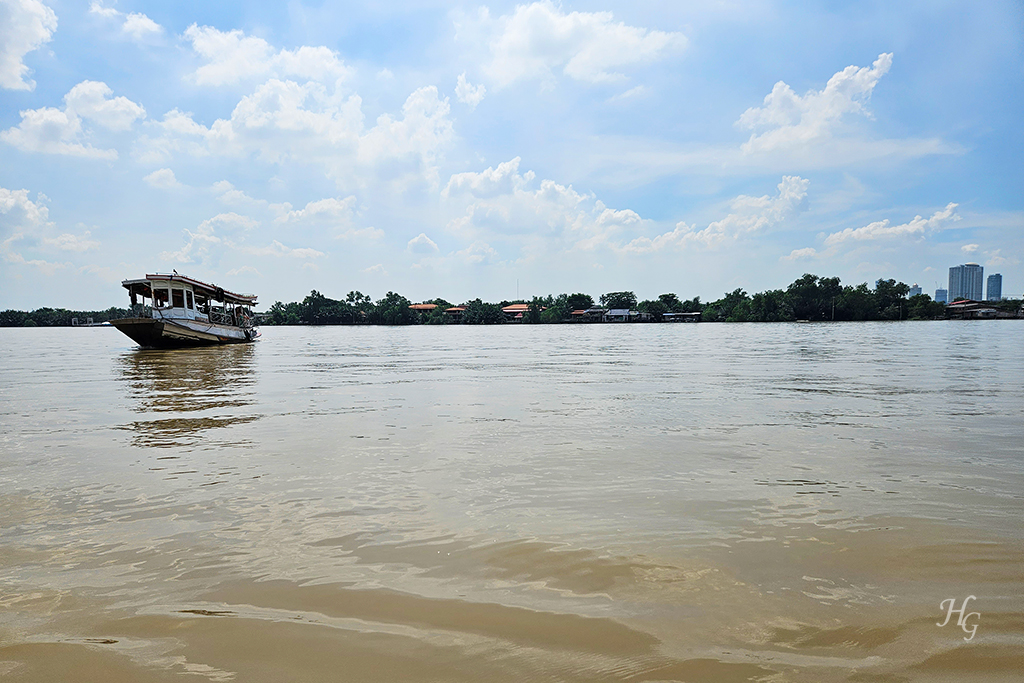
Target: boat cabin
x: 182, y: 298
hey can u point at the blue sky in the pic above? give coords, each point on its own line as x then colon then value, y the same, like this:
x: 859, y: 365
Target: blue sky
x: 457, y: 150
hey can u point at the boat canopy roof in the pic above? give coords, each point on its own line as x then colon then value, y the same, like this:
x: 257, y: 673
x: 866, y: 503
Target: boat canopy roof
x: 142, y: 286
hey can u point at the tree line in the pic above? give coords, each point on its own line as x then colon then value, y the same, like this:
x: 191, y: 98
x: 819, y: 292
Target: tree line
x: 810, y: 297
x: 58, y: 317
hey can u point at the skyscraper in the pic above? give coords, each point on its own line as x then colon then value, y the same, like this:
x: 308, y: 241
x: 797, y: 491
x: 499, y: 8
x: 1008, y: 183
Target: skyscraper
x: 994, y: 290
x: 915, y: 290
x: 966, y: 282
x: 942, y: 296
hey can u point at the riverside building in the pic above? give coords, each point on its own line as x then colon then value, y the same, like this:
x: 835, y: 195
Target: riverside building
x: 994, y: 289
x: 966, y: 281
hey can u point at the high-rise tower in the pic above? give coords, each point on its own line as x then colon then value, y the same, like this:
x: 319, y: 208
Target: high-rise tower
x: 966, y: 282
x: 994, y: 290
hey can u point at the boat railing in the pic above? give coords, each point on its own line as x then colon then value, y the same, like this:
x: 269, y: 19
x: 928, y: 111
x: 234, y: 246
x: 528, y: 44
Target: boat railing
x: 220, y: 316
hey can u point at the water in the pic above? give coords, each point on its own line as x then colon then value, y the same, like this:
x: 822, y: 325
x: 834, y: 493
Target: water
x: 615, y: 503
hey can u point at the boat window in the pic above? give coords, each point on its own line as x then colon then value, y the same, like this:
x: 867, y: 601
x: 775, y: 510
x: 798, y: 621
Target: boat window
x: 177, y: 298
x: 160, y: 297
x: 188, y: 299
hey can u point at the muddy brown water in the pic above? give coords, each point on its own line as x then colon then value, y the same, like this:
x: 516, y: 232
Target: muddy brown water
x: 788, y: 502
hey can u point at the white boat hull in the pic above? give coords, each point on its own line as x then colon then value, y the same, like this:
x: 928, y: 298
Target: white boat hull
x: 169, y: 333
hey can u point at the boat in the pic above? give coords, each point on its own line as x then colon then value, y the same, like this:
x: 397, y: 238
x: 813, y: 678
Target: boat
x: 182, y: 312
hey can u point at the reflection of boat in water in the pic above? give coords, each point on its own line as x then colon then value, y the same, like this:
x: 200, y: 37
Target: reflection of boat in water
x: 186, y: 312
x: 180, y: 396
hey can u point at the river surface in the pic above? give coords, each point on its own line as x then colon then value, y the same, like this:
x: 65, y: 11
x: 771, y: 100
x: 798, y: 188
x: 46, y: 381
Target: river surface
x: 731, y: 502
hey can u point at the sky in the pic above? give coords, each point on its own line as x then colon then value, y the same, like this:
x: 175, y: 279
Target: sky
x: 501, y: 150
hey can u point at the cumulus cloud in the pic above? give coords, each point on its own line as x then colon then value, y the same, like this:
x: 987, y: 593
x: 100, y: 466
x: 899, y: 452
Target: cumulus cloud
x: 69, y: 242
x: 336, y: 210
x: 27, y: 25
x: 275, y: 248
x: 789, y: 120
x: 797, y: 254
x: 996, y: 259
x: 468, y: 93
x: 331, y: 213
x: 228, y: 232
x: 882, y: 229
x: 91, y: 100
x: 969, y: 248
x: 502, y: 205
x: 134, y: 24
x: 748, y: 215
x: 284, y: 120
x: 27, y: 223
x: 377, y: 269
x: 539, y: 39
x: 476, y: 253
x: 18, y: 212
x: 59, y: 131
x: 242, y: 270
x: 421, y: 244
x: 162, y: 179
x: 488, y: 183
x: 232, y: 56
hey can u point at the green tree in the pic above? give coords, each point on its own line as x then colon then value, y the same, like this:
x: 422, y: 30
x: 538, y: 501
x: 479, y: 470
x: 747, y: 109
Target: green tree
x: 770, y: 307
x: 921, y: 307
x: 532, y: 315
x: 479, y: 313
x: 856, y: 303
x: 656, y: 308
x: 619, y: 300
x: 579, y: 302
x: 692, y: 305
x: 891, y: 299
x: 671, y: 302
x: 393, y: 309
x: 734, y: 307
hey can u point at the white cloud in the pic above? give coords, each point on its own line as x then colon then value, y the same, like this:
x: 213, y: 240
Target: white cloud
x: 27, y: 222
x: 283, y: 120
x: 228, y: 231
x: 134, y: 24
x: 748, y: 215
x: 69, y: 242
x: 502, y: 205
x: 538, y: 39
x: 231, y: 56
x: 375, y: 270
x: 162, y: 179
x: 26, y: 26
x: 19, y: 212
x: 242, y: 270
x: 277, y: 249
x: 881, y: 229
x: 488, y: 183
x: 100, y: 9
x: 331, y: 213
x: 796, y: 254
x: 332, y: 209
x: 227, y: 221
x: 476, y: 253
x: 468, y: 93
x: 969, y: 248
x: 790, y: 120
x: 91, y: 100
x: 995, y: 259
x: 59, y: 131
x: 638, y: 91
x: 421, y: 244
x: 139, y: 26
